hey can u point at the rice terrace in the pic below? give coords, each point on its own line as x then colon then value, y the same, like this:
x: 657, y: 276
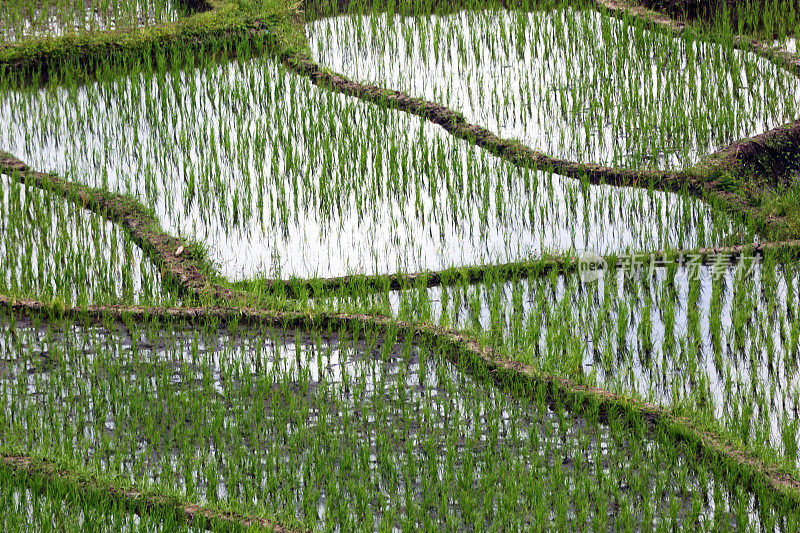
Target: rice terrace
x: 400, y: 265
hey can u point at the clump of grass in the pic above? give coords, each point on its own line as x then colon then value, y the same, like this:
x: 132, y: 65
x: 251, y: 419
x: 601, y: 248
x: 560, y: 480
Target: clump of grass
x: 782, y: 203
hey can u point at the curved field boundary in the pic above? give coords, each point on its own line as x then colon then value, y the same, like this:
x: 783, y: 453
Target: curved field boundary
x: 773, y: 154
x: 171, y: 254
x: 213, y: 18
x: 218, y: 27
x: 513, y: 151
x: 632, y: 9
x: 770, y: 158
x: 226, y: 20
x: 465, y: 351
x: 136, y: 500
x: 726, y: 177
x: 643, y: 10
x: 482, y: 361
x: 190, y: 273
x: 708, y: 181
x: 562, y: 264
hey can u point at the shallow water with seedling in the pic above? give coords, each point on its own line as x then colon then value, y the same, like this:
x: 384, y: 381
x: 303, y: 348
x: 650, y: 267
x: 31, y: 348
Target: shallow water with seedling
x: 398, y: 266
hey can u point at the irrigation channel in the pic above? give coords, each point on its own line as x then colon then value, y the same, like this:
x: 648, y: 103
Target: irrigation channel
x: 242, y: 290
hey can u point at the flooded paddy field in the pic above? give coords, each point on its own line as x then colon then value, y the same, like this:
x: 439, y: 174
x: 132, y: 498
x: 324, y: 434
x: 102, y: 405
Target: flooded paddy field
x: 53, y: 249
x: 157, y: 373
x: 32, y: 508
x: 278, y: 178
x: 721, y: 340
x: 574, y: 84
x: 24, y: 19
x: 338, y: 430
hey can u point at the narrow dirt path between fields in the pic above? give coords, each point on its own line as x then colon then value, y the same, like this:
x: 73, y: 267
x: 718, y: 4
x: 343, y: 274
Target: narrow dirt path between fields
x: 172, y: 253
x: 705, y: 181
x: 189, y: 274
x: 542, y: 266
x: 630, y: 9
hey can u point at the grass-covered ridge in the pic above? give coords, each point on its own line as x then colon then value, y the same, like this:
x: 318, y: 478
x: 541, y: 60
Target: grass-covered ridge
x: 277, y: 26
x: 216, y: 24
x: 769, y: 478
x: 423, y: 391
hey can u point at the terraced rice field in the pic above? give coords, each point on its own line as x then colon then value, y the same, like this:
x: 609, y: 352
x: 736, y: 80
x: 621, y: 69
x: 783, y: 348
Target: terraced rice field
x: 290, y: 180
x: 398, y: 267
x: 574, y: 84
x: 32, y: 18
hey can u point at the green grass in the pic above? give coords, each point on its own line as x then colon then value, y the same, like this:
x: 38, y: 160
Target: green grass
x: 226, y: 23
x: 369, y: 427
x: 53, y: 249
x: 266, y: 422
